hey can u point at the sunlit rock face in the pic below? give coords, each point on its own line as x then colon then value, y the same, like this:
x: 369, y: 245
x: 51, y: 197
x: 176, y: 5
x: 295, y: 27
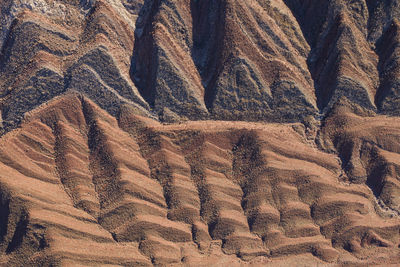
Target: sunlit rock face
x: 199, y: 132
x: 273, y: 61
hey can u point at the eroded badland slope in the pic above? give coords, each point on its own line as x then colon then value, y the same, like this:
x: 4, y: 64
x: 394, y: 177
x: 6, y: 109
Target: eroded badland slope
x: 199, y: 132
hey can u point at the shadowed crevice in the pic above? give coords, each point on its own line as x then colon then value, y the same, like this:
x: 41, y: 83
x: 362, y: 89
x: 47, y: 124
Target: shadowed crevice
x: 208, y: 29
x: 192, y: 144
x: 4, y: 215
x: 388, y: 49
x: 19, y: 233
x: 106, y: 177
x: 311, y: 16
x: 247, y: 165
x: 144, y: 60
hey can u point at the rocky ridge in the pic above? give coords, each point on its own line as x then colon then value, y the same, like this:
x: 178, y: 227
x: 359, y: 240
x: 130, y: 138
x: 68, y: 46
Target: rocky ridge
x: 184, y: 132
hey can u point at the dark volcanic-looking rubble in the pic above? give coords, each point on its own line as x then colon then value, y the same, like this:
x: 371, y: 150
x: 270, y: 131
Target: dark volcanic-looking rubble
x: 199, y: 132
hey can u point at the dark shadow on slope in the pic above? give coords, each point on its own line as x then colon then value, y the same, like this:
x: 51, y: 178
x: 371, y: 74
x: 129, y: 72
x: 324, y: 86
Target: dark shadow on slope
x: 388, y: 47
x: 20, y: 232
x: 248, y: 164
x: 4, y: 215
x: 377, y: 170
x: 311, y: 16
x: 208, y: 29
x: 7, y: 45
x: 144, y: 60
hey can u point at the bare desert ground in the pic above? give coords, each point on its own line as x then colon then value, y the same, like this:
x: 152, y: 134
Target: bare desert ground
x: 199, y: 133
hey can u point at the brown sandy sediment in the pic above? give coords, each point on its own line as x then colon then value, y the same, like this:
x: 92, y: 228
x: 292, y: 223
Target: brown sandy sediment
x: 145, y: 193
x: 162, y: 132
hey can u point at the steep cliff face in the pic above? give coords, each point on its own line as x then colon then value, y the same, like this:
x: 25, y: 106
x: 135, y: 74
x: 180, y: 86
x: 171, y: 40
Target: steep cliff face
x: 87, y: 49
x: 199, y: 132
x: 224, y: 60
x: 277, y: 61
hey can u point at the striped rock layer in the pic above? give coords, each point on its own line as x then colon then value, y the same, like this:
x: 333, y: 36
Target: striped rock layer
x: 199, y: 132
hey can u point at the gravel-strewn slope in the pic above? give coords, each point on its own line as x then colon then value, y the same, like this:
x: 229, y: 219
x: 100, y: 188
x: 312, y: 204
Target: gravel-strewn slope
x: 199, y: 132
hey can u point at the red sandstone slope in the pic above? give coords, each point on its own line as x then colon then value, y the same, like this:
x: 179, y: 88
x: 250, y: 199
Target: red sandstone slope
x: 80, y: 187
x: 282, y: 146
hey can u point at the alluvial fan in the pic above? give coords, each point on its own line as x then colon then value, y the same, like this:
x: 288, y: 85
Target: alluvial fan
x: 199, y: 132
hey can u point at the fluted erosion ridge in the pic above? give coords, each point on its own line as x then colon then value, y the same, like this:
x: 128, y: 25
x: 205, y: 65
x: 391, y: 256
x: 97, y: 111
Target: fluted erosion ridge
x: 199, y: 132
x: 280, y: 61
